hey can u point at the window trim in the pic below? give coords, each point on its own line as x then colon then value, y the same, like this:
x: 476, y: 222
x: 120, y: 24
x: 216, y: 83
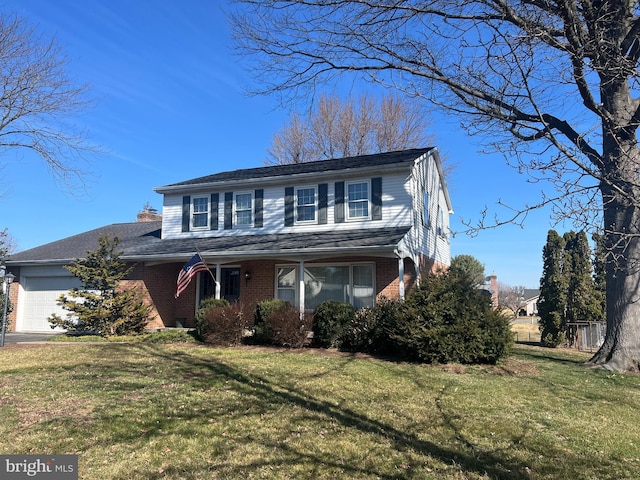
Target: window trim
x: 250, y: 209
x: 296, y: 206
x: 347, y: 201
x: 193, y: 213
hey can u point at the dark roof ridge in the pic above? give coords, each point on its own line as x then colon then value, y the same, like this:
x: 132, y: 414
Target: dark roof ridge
x: 358, y: 161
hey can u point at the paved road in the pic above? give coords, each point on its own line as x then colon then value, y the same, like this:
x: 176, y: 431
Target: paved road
x: 11, y: 338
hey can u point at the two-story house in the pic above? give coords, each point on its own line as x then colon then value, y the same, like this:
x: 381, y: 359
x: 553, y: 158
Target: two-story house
x: 351, y: 229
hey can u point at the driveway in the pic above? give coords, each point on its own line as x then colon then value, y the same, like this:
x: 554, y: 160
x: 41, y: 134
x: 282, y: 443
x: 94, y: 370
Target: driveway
x: 11, y: 338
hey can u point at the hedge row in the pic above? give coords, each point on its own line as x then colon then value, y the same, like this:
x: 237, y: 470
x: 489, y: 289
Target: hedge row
x: 445, y: 320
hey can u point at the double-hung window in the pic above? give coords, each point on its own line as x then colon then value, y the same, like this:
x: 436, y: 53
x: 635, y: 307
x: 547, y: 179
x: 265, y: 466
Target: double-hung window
x: 306, y: 205
x: 244, y: 209
x: 358, y: 200
x: 200, y: 213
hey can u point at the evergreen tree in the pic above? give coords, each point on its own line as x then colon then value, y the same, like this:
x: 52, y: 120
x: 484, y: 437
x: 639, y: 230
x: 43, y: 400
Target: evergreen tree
x: 553, y: 291
x: 469, y: 267
x: 583, y: 302
x: 101, y: 307
x: 599, y: 273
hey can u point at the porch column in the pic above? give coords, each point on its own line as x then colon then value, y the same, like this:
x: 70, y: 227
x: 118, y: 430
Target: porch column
x: 401, y: 277
x: 301, y: 287
x: 218, y: 273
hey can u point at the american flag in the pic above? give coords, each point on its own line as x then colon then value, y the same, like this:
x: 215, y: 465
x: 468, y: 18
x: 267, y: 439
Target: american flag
x: 187, y: 272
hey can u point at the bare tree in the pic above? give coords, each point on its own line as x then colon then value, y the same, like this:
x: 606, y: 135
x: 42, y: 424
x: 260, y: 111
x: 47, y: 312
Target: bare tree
x: 511, y: 298
x: 38, y: 98
x: 554, y: 83
x: 343, y: 128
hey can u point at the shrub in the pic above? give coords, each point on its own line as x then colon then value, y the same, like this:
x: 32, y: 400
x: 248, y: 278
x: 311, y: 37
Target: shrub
x: 551, y: 333
x: 329, y: 321
x: 368, y: 331
x: 447, y: 320
x: 278, y: 323
x: 220, y: 324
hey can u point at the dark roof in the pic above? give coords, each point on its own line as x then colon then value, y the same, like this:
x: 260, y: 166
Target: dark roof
x: 140, y: 241
x: 77, y: 246
x: 362, y: 161
x: 286, y: 243
x: 530, y: 293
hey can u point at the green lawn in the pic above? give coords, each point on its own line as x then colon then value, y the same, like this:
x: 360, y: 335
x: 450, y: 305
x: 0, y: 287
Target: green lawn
x: 155, y: 411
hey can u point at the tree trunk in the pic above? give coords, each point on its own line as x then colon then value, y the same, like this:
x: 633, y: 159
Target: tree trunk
x: 621, y: 348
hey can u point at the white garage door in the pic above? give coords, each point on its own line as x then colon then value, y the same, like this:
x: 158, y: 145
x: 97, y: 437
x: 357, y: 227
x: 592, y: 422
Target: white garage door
x: 41, y: 295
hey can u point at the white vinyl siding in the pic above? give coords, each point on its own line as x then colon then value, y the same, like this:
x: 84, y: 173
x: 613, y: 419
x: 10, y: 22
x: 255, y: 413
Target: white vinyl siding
x: 396, y: 211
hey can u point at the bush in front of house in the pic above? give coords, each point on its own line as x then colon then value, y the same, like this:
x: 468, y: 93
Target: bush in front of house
x: 368, y: 331
x: 329, y: 321
x: 219, y: 322
x: 278, y: 323
x: 447, y: 319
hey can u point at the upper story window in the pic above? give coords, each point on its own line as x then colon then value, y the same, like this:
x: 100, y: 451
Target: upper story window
x: 306, y: 205
x: 425, y: 209
x: 440, y: 225
x: 244, y: 209
x: 358, y: 200
x: 200, y: 212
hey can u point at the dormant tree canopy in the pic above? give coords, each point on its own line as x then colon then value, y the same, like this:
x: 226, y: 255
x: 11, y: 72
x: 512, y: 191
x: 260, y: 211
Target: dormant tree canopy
x: 553, y: 82
x: 38, y: 98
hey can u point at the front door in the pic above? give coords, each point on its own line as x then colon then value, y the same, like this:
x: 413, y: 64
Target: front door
x: 229, y: 285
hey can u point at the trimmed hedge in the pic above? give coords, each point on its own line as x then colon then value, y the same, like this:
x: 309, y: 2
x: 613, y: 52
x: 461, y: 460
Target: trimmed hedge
x: 448, y: 320
x: 278, y: 323
x: 220, y: 323
x: 329, y: 321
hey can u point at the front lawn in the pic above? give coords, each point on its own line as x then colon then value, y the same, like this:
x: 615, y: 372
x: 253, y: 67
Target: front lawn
x: 156, y: 411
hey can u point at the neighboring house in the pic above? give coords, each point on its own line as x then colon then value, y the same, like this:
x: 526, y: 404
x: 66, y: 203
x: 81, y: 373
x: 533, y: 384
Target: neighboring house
x: 530, y: 307
x: 352, y: 230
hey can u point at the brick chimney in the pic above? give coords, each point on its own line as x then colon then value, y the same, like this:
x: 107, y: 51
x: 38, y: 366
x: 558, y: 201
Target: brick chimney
x: 149, y: 214
x: 493, y: 289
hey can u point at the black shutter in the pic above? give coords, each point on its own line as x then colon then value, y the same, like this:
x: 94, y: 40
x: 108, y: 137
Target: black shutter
x: 213, y: 215
x: 186, y: 212
x: 376, y: 198
x: 228, y: 210
x: 257, y: 207
x: 323, y: 200
x: 339, y: 206
x: 288, y: 206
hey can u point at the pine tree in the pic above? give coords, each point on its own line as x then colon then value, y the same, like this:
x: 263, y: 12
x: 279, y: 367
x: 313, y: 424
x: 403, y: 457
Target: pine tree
x: 599, y: 273
x: 583, y: 302
x: 553, y: 291
x: 99, y: 306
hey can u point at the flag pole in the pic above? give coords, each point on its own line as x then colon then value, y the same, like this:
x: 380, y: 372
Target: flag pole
x: 205, y: 264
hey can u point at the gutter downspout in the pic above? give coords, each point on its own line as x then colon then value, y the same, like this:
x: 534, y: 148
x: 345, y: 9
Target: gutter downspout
x: 400, y: 274
x: 301, y: 288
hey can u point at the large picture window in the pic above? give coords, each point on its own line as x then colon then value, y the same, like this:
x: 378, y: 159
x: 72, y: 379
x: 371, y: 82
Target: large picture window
x: 200, y: 212
x: 358, y: 200
x: 354, y: 284
x: 244, y: 209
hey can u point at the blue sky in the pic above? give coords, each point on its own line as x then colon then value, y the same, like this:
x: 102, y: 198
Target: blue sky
x: 170, y: 105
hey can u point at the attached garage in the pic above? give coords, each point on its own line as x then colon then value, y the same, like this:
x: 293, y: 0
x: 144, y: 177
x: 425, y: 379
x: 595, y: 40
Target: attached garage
x: 41, y: 276
x: 40, y: 301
